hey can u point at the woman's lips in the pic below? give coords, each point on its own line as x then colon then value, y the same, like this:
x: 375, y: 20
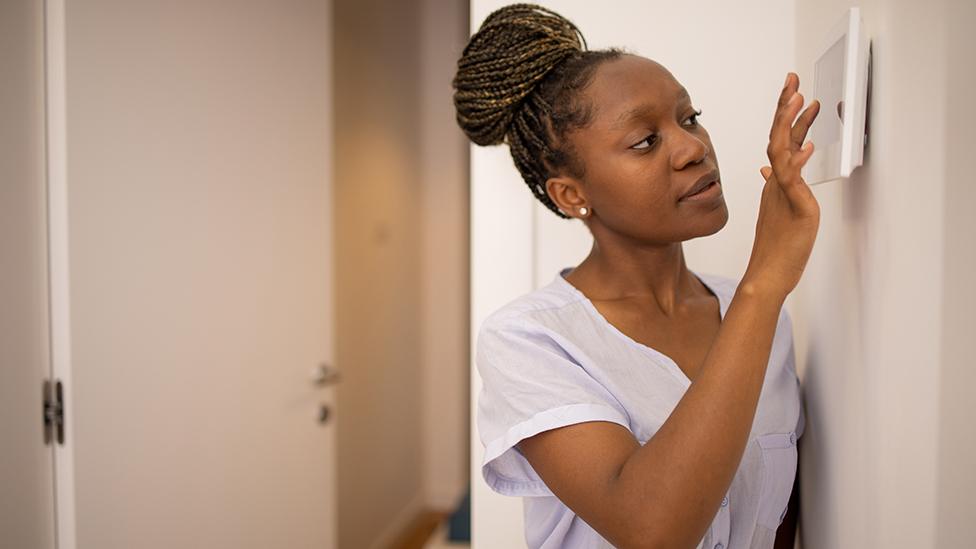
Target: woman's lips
x: 702, y: 182
x: 712, y: 191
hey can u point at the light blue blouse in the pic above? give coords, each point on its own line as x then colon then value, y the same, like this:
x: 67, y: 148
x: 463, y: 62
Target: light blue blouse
x: 549, y: 359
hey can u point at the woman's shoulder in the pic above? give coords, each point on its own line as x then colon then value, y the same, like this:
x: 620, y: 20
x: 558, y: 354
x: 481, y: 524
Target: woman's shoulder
x: 532, y: 307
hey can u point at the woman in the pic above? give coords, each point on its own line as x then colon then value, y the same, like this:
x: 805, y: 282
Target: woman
x: 633, y: 402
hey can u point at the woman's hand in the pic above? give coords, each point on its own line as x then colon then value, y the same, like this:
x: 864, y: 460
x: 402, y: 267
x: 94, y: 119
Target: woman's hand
x: 789, y: 214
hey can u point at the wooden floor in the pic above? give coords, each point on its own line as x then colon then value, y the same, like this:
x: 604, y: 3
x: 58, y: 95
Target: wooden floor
x: 416, y: 536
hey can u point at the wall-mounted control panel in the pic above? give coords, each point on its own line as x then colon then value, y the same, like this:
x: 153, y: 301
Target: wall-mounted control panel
x: 842, y: 85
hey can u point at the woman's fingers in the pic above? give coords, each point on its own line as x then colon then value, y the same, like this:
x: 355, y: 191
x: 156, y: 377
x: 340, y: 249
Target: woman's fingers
x: 791, y: 175
x: 779, y: 134
x: 781, y: 140
x: 788, y: 172
x: 806, y: 151
x: 784, y: 97
x: 802, y: 126
x: 786, y: 151
x: 789, y: 88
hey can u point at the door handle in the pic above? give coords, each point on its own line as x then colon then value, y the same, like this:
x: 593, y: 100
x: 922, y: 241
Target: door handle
x: 323, y: 375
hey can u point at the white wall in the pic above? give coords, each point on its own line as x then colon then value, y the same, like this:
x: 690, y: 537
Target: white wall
x: 880, y: 317
x: 733, y: 59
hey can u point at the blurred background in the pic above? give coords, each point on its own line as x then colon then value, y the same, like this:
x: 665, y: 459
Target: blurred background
x: 237, y: 233
x: 245, y: 251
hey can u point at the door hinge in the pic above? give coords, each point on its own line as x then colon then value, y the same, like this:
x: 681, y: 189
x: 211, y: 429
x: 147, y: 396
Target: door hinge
x: 53, y: 412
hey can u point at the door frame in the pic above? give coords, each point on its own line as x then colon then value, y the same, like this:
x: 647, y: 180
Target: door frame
x: 55, y: 106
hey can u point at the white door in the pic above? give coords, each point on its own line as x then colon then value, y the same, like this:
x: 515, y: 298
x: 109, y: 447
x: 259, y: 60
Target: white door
x: 199, y: 245
x: 26, y: 474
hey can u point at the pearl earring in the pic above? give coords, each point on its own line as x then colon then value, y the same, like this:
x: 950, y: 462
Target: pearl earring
x: 583, y: 211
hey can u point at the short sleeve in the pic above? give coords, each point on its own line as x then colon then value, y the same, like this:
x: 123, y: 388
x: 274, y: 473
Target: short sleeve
x: 791, y: 358
x: 530, y: 384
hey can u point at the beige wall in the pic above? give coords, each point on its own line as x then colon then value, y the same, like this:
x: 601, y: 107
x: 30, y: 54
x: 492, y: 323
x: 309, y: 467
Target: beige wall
x: 879, y: 316
x: 401, y: 244
x: 955, y: 513
x: 27, y: 493
x: 198, y: 173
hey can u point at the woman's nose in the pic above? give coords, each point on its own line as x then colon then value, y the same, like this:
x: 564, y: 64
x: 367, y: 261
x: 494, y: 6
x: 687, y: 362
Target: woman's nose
x: 688, y: 149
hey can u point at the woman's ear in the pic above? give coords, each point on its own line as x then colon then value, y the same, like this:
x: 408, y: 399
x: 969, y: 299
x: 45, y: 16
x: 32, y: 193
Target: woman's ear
x: 568, y: 194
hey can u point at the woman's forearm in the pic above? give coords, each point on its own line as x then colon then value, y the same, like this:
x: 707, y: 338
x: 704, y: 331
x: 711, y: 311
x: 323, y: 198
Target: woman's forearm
x: 678, y: 478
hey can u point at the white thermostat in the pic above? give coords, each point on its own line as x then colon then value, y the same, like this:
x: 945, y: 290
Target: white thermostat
x: 841, y: 83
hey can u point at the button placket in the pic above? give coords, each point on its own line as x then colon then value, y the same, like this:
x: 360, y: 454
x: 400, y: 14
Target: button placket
x: 722, y: 525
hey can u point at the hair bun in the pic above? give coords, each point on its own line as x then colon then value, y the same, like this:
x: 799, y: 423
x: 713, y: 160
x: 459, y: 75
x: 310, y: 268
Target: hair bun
x: 514, y: 49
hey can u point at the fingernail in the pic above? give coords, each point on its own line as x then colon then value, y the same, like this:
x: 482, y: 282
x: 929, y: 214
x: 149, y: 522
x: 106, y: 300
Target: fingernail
x: 787, y: 80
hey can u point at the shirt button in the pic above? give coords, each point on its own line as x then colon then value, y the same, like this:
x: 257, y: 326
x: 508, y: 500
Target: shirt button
x: 719, y: 545
x: 725, y: 501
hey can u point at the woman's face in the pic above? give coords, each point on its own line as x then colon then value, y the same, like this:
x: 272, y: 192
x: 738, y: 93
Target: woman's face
x: 641, y: 153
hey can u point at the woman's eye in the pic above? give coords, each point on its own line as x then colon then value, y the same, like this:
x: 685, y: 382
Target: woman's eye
x: 645, y: 143
x: 694, y: 118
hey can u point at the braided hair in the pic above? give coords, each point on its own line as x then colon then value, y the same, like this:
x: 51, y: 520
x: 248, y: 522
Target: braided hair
x: 519, y: 81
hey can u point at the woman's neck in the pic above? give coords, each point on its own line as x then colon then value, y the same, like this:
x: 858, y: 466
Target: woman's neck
x: 656, y: 274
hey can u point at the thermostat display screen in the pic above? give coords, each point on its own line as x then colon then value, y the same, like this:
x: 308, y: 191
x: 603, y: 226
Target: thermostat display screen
x: 829, y: 78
